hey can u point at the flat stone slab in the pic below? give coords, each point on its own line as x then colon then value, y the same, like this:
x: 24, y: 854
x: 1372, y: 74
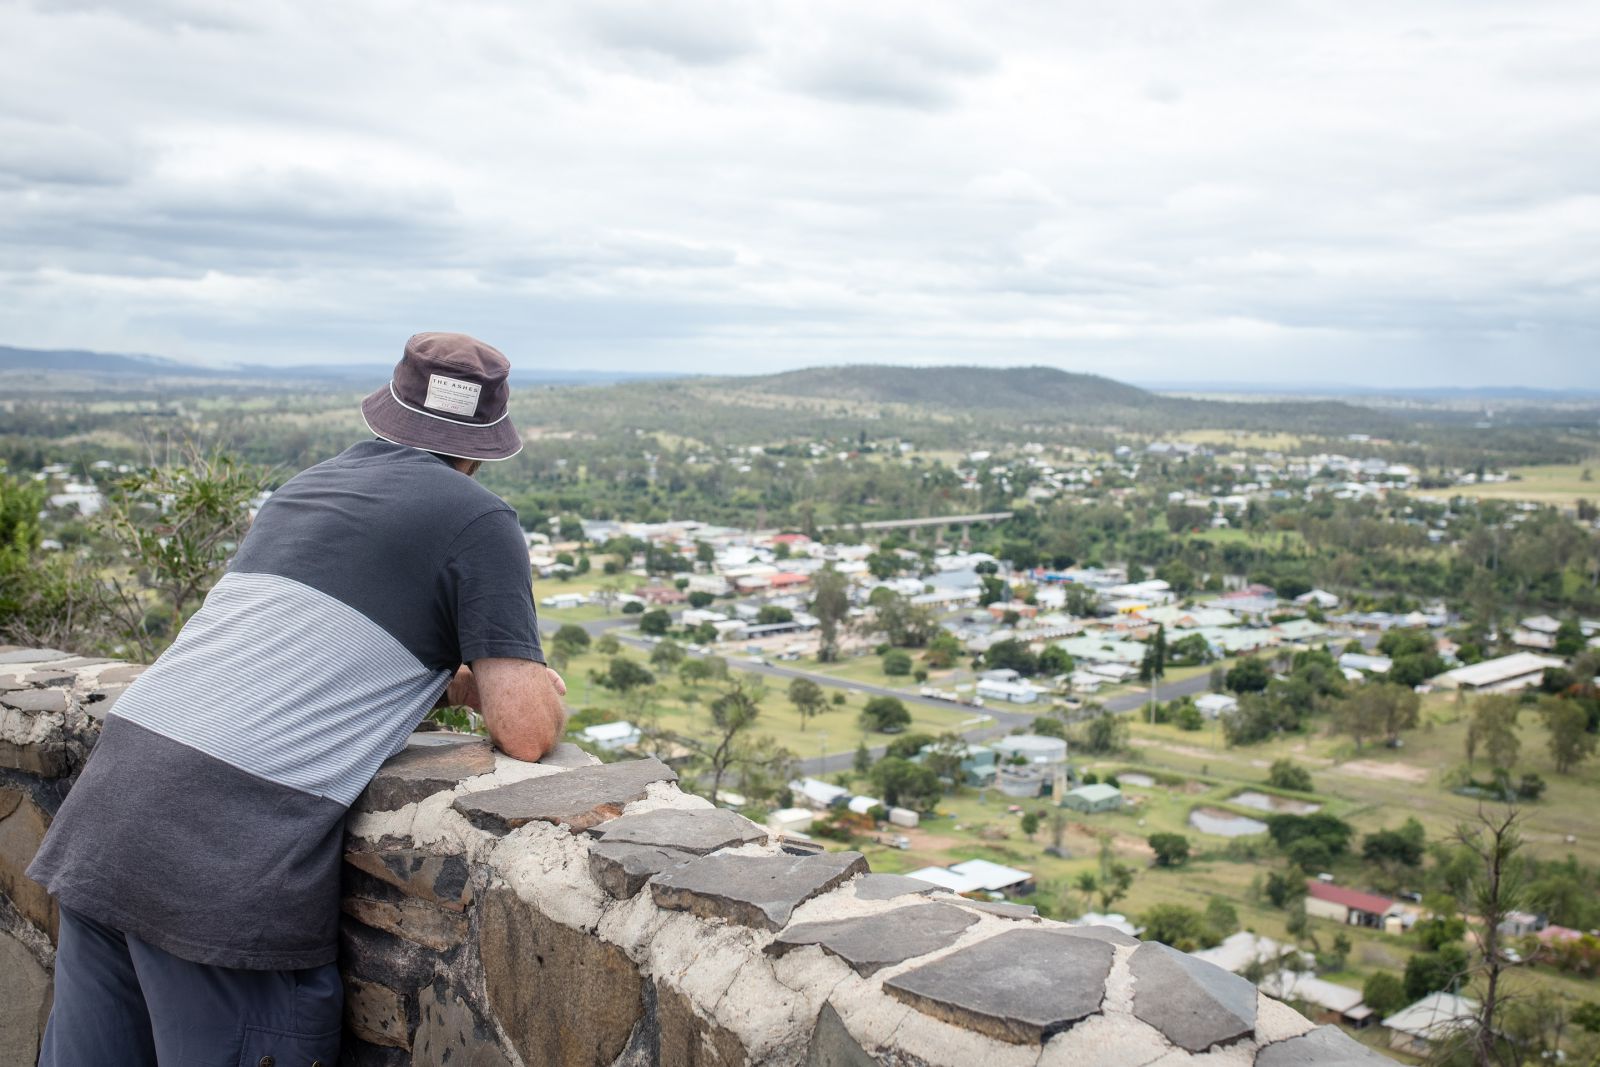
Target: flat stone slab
x: 801, y: 848
x: 36, y: 701
x: 34, y: 655
x: 567, y: 754
x: 889, y: 886
x: 51, y: 677
x: 758, y: 891
x: 1021, y: 986
x: 696, y: 830
x: 430, y: 763
x: 120, y: 675
x: 1109, y: 934
x: 1194, y: 1003
x: 869, y: 943
x: 1024, y: 912
x: 577, y: 799
x: 623, y: 869
x: 100, y: 701
x: 1326, y: 1046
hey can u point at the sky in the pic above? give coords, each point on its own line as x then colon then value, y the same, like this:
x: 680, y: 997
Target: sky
x: 1267, y: 191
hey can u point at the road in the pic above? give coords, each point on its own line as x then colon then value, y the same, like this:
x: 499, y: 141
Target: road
x: 1002, y: 720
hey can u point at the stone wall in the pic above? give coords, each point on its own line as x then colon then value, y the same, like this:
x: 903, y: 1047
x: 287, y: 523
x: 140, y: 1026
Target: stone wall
x: 499, y: 913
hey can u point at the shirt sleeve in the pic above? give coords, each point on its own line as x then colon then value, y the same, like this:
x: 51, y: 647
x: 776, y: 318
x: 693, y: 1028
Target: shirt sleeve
x: 488, y: 589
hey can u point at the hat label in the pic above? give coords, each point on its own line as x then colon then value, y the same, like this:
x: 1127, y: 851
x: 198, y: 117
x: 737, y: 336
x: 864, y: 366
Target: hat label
x: 453, y: 395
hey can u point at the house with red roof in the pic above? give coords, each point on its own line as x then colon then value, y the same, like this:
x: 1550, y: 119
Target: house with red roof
x: 1352, y: 907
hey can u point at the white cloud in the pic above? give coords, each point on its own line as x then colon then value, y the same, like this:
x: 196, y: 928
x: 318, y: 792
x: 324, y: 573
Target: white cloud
x: 1229, y: 189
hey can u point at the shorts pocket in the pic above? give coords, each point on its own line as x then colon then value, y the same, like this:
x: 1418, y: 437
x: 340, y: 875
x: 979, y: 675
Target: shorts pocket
x: 264, y: 1047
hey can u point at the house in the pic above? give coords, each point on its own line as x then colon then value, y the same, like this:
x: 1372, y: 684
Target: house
x: 1116, y: 920
x: 1212, y: 705
x: 978, y: 876
x: 790, y: 821
x: 1534, y: 639
x: 1522, y: 924
x: 1318, y: 597
x: 610, y: 736
x: 1300, y: 630
x: 1413, y: 1030
x: 1503, y: 675
x: 1092, y: 799
x: 564, y: 600
x: 1358, y: 661
x: 1542, y: 624
x: 977, y: 764
x: 661, y: 595
x: 1008, y: 692
x: 815, y: 793
x: 1337, y: 1003
x: 1352, y: 907
x: 1241, y: 950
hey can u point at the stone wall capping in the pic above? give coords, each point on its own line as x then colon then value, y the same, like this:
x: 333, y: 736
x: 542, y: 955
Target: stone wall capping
x: 1021, y: 986
x: 501, y: 913
x: 758, y: 891
x: 868, y: 943
x: 698, y: 831
x: 1195, y: 1004
x: 576, y: 799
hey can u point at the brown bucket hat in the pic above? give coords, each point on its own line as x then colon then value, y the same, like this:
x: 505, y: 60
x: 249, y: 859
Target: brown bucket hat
x: 448, y: 395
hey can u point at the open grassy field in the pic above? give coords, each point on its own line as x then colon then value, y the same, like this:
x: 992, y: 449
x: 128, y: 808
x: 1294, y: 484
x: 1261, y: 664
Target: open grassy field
x: 1250, y: 440
x: 1561, y: 485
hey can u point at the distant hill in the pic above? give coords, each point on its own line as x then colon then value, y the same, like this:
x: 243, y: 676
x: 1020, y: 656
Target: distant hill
x: 153, y: 368
x: 986, y: 389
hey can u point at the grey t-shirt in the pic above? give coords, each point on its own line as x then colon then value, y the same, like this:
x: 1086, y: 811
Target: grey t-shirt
x: 209, y: 819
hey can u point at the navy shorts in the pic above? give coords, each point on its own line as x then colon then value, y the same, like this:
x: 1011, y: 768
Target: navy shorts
x: 121, y: 1001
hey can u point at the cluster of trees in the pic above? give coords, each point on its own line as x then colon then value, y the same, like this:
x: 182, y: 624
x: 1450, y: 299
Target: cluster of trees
x: 142, y: 566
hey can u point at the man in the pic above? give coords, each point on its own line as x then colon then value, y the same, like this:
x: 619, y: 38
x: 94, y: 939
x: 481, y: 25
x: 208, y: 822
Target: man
x: 196, y: 860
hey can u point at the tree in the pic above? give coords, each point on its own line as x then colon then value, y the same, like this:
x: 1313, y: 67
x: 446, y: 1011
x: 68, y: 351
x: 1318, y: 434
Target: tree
x: 1494, y: 730
x: 907, y: 746
x: 1287, y: 774
x: 1115, y: 879
x: 699, y: 598
x: 1054, y: 659
x: 655, y: 622
x: 1433, y: 972
x: 1177, y: 925
x: 622, y: 674
x: 772, y: 613
x: 885, y: 715
x: 1030, y: 824
x: 1104, y: 734
x: 1011, y: 654
x: 667, y: 654
x: 906, y: 784
x: 830, y: 603
x: 1249, y: 675
x: 905, y: 624
x: 46, y: 599
x: 1384, y: 993
x: 808, y: 699
x: 1172, y: 850
x: 694, y: 670
x: 177, y: 525
x: 1190, y: 651
x: 862, y: 763
x: 573, y: 636
x: 1495, y: 887
x: 1222, y: 919
x: 1377, y: 709
x: 733, y: 712
x: 943, y: 650
x: 1570, y: 740
x: 1393, y: 849
x: 897, y: 663
x: 944, y: 757
x: 1154, y: 664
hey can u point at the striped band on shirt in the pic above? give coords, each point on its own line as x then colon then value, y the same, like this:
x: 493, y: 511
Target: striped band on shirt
x: 235, y: 686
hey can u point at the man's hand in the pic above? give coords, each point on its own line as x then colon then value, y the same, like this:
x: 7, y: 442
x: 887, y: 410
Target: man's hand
x: 462, y: 692
x: 520, y: 702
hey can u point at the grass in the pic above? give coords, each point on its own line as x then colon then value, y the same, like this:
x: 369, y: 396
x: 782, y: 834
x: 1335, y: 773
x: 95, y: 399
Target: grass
x: 1242, y: 440
x: 836, y: 732
x: 1558, y: 484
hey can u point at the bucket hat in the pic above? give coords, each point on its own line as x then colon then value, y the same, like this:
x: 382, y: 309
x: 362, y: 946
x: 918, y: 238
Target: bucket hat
x: 448, y: 395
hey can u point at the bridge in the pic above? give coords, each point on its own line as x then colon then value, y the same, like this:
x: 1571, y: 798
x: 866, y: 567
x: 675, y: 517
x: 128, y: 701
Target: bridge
x: 939, y: 523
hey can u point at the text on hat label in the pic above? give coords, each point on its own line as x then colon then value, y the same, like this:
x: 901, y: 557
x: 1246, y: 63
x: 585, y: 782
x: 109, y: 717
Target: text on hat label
x: 453, y: 395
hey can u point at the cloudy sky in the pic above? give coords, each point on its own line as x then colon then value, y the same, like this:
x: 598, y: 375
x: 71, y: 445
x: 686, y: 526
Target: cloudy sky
x: 1353, y: 191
